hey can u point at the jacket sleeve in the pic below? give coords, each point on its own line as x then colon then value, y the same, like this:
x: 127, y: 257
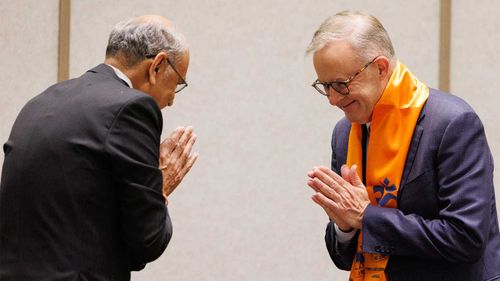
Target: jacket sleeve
x: 342, y: 254
x: 464, y: 180
x: 133, y: 146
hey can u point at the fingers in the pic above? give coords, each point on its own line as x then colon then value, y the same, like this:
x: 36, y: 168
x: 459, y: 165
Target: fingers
x: 176, y: 157
x: 315, y: 175
x: 324, y: 201
x: 344, y: 172
x: 175, y: 143
x: 331, y: 174
x: 320, y: 199
x: 186, y: 151
x: 321, y: 187
x: 354, y: 177
x: 325, y: 178
x: 180, y: 134
x: 186, y: 135
x: 182, y: 142
x: 310, y: 183
x: 349, y: 175
x: 329, y: 208
x: 328, y: 205
x: 338, y: 183
x: 340, y: 195
x: 169, y: 143
x: 177, y: 133
x: 191, y: 160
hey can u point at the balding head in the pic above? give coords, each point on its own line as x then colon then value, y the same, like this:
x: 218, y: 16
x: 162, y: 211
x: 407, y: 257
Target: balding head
x: 157, y: 18
x: 364, y: 32
x: 142, y: 37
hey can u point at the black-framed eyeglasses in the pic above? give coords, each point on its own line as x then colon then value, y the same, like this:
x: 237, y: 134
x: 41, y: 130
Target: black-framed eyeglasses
x: 180, y: 86
x: 341, y: 87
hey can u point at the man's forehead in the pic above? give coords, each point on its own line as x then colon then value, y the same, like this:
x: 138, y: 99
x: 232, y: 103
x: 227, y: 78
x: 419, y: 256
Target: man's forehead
x: 335, y: 61
x: 341, y: 50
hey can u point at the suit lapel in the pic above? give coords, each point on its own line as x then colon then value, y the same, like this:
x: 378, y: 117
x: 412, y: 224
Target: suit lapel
x: 412, y: 151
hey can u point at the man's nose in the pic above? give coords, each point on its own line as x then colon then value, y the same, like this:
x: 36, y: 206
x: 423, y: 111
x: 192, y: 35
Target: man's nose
x: 334, y: 97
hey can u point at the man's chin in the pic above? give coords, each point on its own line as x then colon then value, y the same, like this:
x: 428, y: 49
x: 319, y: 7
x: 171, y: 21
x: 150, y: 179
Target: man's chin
x: 162, y: 106
x: 356, y: 119
x: 170, y: 102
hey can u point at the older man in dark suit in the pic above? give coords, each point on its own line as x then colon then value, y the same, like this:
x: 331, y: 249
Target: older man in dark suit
x: 85, y: 179
x: 410, y: 192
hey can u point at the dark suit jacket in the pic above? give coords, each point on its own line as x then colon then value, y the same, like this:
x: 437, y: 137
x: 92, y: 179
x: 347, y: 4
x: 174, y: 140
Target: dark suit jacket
x: 81, y: 192
x: 445, y: 226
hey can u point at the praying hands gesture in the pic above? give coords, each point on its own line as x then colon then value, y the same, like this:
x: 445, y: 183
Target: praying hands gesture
x: 176, y: 158
x: 344, y: 198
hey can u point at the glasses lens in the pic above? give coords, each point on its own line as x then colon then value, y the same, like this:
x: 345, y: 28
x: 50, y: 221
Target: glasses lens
x: 180, y: 87
x: 340, y: 88
x: 319, y: 88
x: 325, y: 88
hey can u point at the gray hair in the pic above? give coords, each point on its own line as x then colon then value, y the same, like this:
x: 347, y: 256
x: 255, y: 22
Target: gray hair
x: 138, y: 39
x: 365, y: 33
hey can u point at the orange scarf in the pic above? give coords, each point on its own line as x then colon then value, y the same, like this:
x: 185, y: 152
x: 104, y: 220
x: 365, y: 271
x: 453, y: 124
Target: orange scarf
x: 393, y: 122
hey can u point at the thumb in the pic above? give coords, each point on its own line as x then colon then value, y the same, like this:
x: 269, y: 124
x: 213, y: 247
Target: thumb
x: 344, y: 172
x: 355, y: 180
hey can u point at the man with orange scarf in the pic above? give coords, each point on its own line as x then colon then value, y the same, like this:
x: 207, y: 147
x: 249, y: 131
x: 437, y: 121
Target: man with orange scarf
x: 410, y: 192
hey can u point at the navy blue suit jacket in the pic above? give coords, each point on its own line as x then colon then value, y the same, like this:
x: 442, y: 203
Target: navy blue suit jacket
x: 81, y: 192
x: 446, y: 225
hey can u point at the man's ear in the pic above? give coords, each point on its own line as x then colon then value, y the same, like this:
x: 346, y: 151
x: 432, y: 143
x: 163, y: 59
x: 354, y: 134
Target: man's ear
x: 382, y: 63
x: 159, y: 61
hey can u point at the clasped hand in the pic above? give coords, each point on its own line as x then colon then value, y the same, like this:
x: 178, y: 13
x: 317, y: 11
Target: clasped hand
x: 176, y: 158
x: 344, y: 198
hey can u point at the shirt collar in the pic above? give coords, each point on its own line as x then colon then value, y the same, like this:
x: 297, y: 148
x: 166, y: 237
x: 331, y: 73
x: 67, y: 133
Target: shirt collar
x: 121, y: 75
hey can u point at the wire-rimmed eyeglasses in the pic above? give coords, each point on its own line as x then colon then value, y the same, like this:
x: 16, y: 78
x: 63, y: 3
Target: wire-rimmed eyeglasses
x: 180, y: 86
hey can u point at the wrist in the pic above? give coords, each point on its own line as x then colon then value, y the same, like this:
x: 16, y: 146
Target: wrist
x: 345, y: 229
x: 359, y: 223
x: 343, y: 236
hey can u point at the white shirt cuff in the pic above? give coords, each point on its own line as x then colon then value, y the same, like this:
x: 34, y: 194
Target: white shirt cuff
x: 343, y: 237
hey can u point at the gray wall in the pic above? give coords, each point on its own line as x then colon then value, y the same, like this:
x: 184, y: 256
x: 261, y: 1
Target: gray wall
x: 244, y: 212
x: 28, y: 56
